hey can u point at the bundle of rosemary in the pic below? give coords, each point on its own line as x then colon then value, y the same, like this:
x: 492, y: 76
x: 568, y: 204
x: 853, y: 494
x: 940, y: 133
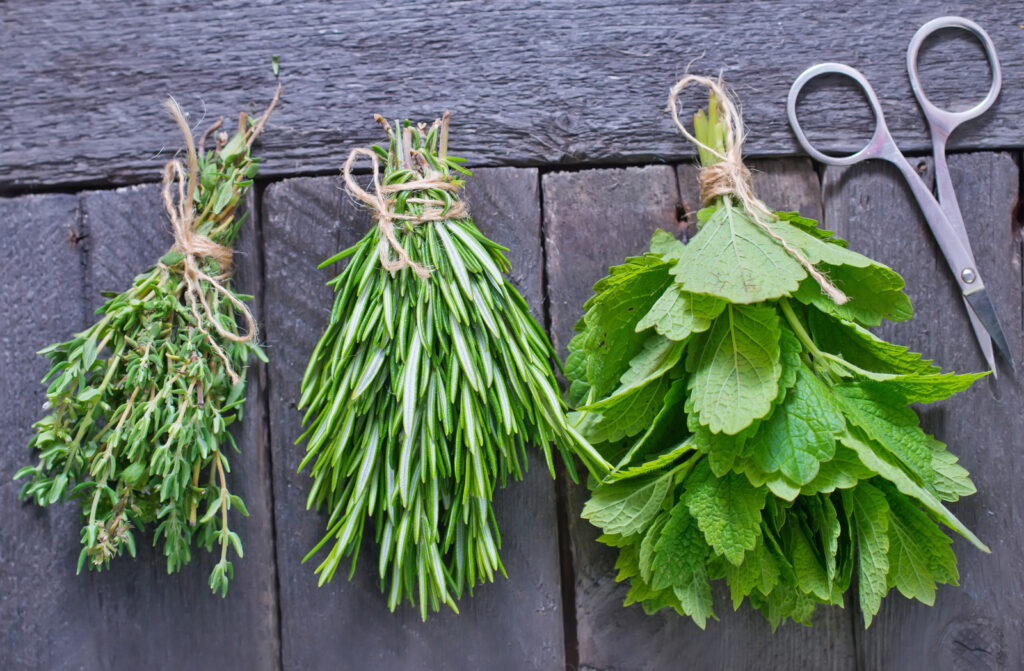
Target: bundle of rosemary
x: 762, y: 435
x: 139, y: 404
x: 428, y: 385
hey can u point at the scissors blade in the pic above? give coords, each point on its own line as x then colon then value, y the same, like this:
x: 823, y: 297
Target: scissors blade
x: 982, y: 307
x: 983, y: 338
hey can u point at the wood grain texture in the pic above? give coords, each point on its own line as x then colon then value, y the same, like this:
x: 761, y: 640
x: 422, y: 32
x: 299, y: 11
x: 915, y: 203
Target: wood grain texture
x: 38, y: 547
x: 615, y: 212
x: 511, y: 624
x: 528, y: 82
x: 132, y: 613
x: 979, y: 625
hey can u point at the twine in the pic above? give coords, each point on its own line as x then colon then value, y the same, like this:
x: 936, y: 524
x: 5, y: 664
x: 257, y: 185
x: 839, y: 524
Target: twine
x: 195, y: 246
x: 384, y: 208
x: 730, y: 177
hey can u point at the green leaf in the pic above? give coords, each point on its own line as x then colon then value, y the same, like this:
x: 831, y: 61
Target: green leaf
x: 871, y: 519
x: 735, y: 368
x: 758, y: 570
x: 885, y: 464
x: 659, y: 462
x: 842, y: 471
x: 622, y: 415
x: 627, y: 507
x: 919, y: 553
x: 695, y: 597
x: 809, y: 573
x: 925, y: 388
x: 883, y: 417
x: 89, y: 353
x: 678, y: 314
x: 680, y: 550
x: 864, y: 349
x: 662, y: 433
x: 801, y: 433
x: 222, y: 196
x: 727, y: 509
x: 875, y: 293
x: 607, y: 337
x: 735, y: 259
x: 651, y: 537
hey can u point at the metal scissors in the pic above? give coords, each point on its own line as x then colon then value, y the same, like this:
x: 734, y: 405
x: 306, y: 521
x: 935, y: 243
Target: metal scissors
x: 943, y: 215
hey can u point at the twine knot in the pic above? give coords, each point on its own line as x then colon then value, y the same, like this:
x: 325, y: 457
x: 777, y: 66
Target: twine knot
x: 195, y: 246
x: 731, y: 177
x: 383, y: 206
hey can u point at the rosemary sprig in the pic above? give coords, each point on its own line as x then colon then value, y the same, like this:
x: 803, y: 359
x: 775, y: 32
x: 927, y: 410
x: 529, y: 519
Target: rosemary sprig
x: 428, y: 385
x: 139, y: 404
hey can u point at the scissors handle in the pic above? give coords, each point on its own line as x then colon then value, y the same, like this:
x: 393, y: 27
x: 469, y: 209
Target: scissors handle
x: 941, y: 121
x: 881, y: 144
x: 953, y: 244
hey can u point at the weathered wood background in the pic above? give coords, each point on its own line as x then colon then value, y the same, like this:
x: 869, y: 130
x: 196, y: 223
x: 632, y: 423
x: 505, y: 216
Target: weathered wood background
x: 569, y: 99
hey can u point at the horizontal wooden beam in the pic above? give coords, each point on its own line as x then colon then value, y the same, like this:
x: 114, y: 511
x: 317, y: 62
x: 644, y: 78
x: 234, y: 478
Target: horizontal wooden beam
x: 528, y: 83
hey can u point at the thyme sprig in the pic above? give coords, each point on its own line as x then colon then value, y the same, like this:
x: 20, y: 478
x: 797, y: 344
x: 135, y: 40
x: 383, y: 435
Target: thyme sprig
x: 140, y: 403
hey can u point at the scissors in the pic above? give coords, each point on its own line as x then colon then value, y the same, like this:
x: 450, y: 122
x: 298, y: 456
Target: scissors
x: 943, y: 215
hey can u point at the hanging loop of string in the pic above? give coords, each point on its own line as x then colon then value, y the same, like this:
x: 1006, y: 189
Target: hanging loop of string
x: 194, y: 247
x: 730, y: 177
x: 393, y: 256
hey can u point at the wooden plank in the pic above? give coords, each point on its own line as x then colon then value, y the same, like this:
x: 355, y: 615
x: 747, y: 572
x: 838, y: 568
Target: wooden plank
x: 41, y: 272
x: 534, y: 82
x: 615, y: 212
x: 140, y: 606
x: 511, y: 624
x: 979, y: 625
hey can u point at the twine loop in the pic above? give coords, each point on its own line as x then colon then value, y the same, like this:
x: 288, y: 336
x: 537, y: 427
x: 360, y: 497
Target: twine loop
x: 195, y: 246
x: 730, y: 177
x: 393, y: 256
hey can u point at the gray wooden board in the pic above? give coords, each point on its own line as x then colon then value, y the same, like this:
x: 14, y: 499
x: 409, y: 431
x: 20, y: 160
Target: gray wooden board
x: 40, y: 303
x: 511, y: 624
x: 594, y: 219
x: 528, y: 82
x: 979, y: 625
x: 133, y: 614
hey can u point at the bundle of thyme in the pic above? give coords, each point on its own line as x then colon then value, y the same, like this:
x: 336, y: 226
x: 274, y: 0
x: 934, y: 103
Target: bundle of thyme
x: 429, y: 383
x: 139, y: 404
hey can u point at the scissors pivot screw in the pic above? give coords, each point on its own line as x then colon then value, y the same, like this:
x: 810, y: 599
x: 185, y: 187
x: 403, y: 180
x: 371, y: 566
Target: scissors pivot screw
x: 968, y: 275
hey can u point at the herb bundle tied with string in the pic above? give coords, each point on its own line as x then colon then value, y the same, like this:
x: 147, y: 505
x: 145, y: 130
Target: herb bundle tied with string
x: 762, y: 434
x: 428, y: 384
x: 139, y: 404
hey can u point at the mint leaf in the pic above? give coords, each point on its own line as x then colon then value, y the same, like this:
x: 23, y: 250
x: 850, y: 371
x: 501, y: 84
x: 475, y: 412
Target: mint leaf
x: 884, y: 463
x: 607, y: 332
x: 875, y: 293
x: 842, y: 471
x: 919, y: 553
x: 864, y: 349
x: 622, y: 415
x: 651, y: 538
x: 694, y: 595
x: 733, y: 258
x: 678, y: 314
x: 735, y: 368
x: 680, y: 549
x: 807, y: 567
x: 801, y: 433
x: 758, y: 570
x: 656, y: 464
x: 883, y: 417
x: 627, y: 507
x: 951, y: 480
x: 871, y: 519
x: 727, y: 509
